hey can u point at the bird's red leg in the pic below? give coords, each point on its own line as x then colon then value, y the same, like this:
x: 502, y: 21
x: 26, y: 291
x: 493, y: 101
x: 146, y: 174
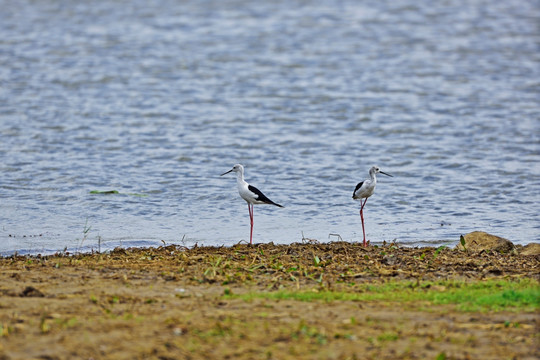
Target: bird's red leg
x: 362, y: 218
x: 250, y: 208
x: 363, y: 204
x: 363, y: 229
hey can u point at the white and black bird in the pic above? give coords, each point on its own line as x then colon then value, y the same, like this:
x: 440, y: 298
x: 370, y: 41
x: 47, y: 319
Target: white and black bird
x: 364, y: 190
x: 250, y: 193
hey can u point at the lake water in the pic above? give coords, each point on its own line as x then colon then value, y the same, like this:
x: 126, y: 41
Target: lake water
x: 156, y: 99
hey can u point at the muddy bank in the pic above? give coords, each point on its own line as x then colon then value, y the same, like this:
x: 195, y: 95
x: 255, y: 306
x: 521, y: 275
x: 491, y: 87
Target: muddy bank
x: 171, y: 303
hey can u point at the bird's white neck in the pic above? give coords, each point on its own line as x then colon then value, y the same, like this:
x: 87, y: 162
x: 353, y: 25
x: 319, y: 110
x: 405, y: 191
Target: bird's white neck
x: 240, y: 177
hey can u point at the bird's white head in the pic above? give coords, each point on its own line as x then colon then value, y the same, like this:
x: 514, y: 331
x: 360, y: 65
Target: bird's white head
x: 236, y: 168
x: 377, y: 170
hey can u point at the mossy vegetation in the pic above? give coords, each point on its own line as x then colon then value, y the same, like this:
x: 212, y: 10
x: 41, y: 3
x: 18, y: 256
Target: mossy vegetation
x: 114, y: 192
x: 489, y: 295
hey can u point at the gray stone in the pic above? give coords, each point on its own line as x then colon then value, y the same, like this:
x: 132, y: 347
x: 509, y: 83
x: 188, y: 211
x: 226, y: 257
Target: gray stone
x: 479, y: 240
x: 530, y: 249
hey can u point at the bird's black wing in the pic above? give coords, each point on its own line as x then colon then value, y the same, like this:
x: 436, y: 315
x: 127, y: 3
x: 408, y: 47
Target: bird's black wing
x: 261, y: 196
x: 357, y: 187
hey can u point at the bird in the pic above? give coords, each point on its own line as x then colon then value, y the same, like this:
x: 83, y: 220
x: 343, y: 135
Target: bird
x: 364, y: 190
x: 250, y: 194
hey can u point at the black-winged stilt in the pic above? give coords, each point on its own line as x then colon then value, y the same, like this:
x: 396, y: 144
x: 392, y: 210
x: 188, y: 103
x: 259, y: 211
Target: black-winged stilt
x: 364, y: 190
x: 250, y: 193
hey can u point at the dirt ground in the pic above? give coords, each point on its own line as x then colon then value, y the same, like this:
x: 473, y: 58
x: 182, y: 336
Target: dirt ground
x: 170, y: 303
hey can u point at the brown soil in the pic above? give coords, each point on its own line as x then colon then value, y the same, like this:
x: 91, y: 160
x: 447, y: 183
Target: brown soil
x: 168, y: 303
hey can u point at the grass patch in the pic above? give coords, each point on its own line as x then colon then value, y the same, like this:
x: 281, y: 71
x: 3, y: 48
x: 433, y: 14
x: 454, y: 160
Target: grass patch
x: 489, y: 295
x: 115, y: 192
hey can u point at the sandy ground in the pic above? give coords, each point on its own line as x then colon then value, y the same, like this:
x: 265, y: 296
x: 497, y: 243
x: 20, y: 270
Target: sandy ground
x: 171, y: 303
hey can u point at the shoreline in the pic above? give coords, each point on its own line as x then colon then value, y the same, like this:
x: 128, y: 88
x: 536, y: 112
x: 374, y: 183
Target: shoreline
x: 301, y: 301
x: 450, y: 244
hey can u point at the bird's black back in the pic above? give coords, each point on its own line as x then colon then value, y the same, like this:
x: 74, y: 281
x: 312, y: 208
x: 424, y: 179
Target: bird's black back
x: 261, y: 196
x: 357, y: 187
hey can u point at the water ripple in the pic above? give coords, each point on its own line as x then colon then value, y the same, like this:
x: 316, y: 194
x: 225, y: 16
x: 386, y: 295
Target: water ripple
x: 159, y: 99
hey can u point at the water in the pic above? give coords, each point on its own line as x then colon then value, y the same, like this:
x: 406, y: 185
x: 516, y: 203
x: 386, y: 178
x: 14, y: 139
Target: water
x: 159, y: 98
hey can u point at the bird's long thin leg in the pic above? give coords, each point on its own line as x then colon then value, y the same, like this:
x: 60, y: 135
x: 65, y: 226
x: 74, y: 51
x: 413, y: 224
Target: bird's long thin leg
x: 250, y: 208
x: 363, y: 204
x: 362, y: 218
x: 363, y: 230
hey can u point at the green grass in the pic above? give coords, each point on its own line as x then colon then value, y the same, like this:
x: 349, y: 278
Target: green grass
x: 489, y: 295
x: 114, y: 192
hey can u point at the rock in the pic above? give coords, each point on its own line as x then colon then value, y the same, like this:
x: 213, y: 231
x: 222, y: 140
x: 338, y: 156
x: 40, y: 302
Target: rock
x: 389, y: 260
x: 479, y: 240
x: 530, y: 249
x: 31, y: 291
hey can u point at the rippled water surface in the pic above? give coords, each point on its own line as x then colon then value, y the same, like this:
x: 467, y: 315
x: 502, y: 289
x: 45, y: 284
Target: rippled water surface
x: 156, y: 99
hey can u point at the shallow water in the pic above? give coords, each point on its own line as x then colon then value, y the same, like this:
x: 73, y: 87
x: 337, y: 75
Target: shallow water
x: 158, y: 99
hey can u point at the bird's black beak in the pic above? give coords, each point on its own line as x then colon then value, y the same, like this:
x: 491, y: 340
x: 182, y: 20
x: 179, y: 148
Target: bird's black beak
x: 226, y: 172
x: 385, y: 173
